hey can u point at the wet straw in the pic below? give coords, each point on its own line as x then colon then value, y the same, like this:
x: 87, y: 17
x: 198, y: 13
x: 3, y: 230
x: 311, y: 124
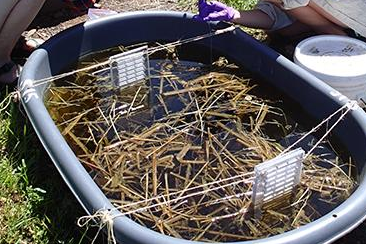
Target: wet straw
x: 133, y: 150
x: 150, y: 51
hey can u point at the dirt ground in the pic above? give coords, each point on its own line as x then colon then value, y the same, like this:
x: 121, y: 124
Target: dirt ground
x: 49, y: 23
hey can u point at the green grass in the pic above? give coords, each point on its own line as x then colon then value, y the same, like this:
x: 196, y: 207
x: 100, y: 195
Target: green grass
x: 35, y: 204
x: 241, y: 4
x: 18, y: 198
x: 191, y: 5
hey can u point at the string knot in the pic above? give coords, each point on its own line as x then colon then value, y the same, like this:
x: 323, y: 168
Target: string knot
x: 101, y: 218
x: 352, y: 105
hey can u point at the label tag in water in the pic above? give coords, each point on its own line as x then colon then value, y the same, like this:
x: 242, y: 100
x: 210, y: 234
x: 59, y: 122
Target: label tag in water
x: 276, y: 177
x: 129, y: 67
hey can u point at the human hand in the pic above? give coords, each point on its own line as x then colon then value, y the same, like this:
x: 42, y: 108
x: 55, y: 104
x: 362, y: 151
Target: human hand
x: 216, y: 11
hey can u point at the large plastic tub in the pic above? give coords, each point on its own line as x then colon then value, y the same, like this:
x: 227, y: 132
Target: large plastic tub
x: 316, y: 98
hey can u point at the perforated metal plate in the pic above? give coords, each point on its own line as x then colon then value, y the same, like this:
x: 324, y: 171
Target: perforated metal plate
x: 276, y: 177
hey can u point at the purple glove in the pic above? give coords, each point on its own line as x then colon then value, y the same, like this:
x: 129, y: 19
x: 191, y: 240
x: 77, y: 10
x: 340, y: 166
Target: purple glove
x: 215, y: 11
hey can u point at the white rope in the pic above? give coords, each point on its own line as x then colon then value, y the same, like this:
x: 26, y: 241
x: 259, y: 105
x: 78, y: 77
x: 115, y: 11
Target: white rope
x: 150, y: 51
x: 106, y: 218
x: 248, y: 180
x: 102, y: 218
x: 351, y: 105
x: 165, y: 202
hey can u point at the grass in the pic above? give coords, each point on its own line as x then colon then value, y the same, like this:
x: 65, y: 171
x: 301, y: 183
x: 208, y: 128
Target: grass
x: 241, y: 4
x: 238, y: 4
x: 35, y: 204
x: 18, y: 198
x: 191, y: 5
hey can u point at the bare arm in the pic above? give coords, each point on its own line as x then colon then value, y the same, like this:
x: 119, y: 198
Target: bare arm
x: 253, y: 18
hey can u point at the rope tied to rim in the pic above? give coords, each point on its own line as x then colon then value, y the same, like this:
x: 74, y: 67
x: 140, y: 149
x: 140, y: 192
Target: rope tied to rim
x: 103, y: 218
x: 150, y: 51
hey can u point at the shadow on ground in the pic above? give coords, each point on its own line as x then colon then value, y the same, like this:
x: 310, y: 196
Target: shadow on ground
x: 58, y: 206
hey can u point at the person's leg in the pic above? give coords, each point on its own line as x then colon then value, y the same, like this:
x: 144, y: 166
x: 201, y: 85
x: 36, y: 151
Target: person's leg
x: 13, y: 22
x: 6, y: 7
x: 325, y: 14
x: 294, y: 30
x: 275, y: 20
x: 319, y: 21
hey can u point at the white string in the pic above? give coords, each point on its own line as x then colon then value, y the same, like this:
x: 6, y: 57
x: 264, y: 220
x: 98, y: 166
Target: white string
x: 63, y: 75
x: 150, y: 51
x: 106, y: 218
x: 102, y: 218
x: 196, y: 187
x: 349, y: 105
x: 182, y: 198
x: 192, y: 39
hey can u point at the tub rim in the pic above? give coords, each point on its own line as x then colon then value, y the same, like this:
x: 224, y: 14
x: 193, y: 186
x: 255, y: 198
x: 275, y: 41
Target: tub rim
x: 40, y: 119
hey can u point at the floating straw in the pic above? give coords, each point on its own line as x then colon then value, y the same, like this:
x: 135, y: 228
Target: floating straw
x: 189, y: 172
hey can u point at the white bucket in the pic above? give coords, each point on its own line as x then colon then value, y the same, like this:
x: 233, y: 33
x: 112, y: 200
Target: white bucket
x: 337, y: 60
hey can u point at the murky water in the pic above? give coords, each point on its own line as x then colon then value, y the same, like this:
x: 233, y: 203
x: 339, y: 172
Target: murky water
x: 154, y: 147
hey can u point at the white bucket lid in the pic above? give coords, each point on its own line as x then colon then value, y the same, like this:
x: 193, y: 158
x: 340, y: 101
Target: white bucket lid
x: 339, y: 61
x: 332, y: 58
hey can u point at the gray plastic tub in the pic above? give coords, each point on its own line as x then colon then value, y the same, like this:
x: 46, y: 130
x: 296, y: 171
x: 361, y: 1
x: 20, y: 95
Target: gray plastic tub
x: 315, y: 98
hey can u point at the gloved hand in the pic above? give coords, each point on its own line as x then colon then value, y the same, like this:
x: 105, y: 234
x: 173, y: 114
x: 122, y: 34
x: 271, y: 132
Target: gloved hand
x: 215, y: 11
